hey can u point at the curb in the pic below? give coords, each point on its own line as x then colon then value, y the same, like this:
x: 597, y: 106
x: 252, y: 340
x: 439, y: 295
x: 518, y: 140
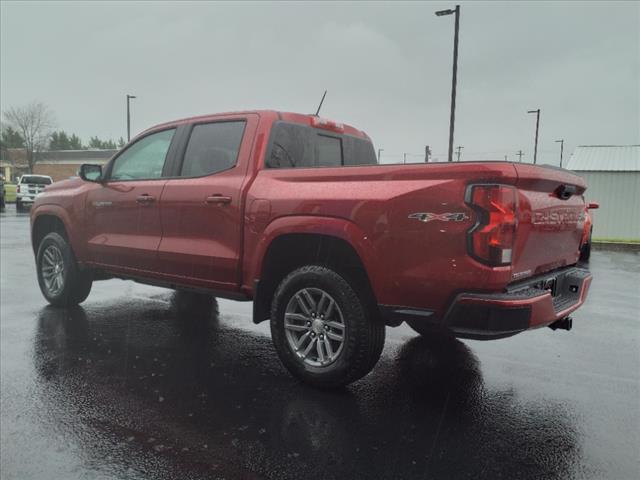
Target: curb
x: 616, y: 247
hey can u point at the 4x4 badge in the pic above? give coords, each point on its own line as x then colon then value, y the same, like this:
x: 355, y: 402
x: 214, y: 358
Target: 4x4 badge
x: 443, y: 217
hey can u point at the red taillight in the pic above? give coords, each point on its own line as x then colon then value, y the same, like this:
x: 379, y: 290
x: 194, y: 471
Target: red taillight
x: 491, y: 240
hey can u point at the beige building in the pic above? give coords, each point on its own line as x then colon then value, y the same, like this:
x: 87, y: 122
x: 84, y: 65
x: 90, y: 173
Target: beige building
x: 58, y: 164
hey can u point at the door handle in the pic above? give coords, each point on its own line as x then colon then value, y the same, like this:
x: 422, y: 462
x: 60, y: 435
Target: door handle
x: 145, y: 198
x: 219, y: 199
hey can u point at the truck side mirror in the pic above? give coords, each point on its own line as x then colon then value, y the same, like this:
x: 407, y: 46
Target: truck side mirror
x: 593, y: 205
x: 91, y: 173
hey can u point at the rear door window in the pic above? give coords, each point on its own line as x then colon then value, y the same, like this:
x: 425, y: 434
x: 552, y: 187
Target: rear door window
x: 212, y: 148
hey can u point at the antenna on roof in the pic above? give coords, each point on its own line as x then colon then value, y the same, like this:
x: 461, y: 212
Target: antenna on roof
x: 321, y: 101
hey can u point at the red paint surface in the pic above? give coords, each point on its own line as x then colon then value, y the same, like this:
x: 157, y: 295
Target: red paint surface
x: 181, y: 239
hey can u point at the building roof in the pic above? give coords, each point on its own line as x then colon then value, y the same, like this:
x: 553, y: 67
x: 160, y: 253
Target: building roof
x: 605, y: 158
x: 75, y: 156
x: 17, y: 157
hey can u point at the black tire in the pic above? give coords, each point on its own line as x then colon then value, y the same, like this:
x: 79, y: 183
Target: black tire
x: 362, y: 333
x: 76, y: 283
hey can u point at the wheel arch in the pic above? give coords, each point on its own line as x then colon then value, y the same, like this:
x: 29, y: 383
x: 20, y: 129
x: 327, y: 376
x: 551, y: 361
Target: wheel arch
x: 295, y: 242
x: 47, y: 220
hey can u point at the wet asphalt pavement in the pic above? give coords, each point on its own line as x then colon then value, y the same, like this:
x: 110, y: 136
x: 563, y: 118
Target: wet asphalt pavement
x: 122, y: 387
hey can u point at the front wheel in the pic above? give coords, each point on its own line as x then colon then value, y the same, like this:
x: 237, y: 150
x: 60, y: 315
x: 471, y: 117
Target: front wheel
x: 324, y: 332
x: 61, y: 281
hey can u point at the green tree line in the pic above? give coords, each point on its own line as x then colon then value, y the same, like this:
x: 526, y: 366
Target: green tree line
x: 58, y: 140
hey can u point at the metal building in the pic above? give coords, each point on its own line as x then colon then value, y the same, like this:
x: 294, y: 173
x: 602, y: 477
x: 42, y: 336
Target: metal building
x: 612, y: 173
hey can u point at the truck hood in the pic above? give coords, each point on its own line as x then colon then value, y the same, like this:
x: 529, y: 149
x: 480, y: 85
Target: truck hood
x: 70, y: 183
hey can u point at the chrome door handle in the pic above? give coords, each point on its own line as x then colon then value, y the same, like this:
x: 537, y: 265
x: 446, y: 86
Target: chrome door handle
x: 219, y: 199
x: 145, y: 199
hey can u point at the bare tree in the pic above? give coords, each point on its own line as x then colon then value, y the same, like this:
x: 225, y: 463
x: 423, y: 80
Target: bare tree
x: 34, y: 122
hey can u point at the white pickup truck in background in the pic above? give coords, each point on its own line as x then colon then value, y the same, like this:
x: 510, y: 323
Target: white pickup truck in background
x: 28, y: 187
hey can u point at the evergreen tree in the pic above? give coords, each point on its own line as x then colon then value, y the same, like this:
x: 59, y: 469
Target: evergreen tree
x: 75, y: 143
x: 61, y: 141
x: 10, y: 138
x: 95, y: 142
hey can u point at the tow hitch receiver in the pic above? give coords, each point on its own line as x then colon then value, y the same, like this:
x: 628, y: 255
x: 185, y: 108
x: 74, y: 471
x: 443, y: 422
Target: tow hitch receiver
x: 563, y: 324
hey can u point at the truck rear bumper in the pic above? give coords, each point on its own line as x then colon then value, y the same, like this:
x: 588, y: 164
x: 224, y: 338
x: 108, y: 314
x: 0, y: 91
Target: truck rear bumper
x: 538, y: 302
x: 533, y: 303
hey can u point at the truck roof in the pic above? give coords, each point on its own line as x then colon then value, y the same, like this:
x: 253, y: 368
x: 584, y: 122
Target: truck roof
x: 303, y: 118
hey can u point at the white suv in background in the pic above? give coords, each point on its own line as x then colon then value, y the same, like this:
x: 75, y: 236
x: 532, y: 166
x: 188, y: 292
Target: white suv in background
x: 28, y: 187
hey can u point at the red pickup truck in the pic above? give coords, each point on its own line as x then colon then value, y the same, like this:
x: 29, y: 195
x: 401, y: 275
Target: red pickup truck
x: 293, y: 212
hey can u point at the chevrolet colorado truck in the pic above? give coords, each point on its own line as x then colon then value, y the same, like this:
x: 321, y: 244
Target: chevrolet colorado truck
x: 293, y: 212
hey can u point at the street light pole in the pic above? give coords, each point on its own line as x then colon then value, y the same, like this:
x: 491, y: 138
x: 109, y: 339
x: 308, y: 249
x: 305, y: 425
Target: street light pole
x: 561, y: 142
x: 129, y: 97
x: 380, y: 150
x: 535, y: 150
x: 454, y: 79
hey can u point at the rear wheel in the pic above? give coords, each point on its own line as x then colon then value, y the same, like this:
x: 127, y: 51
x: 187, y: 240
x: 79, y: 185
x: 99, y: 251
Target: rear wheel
x: 61, y: 281
x: 323, y: 330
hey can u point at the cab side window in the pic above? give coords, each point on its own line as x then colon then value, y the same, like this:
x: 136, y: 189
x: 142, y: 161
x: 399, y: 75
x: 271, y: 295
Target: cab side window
x: 144, y: 160
x: 212, y: 148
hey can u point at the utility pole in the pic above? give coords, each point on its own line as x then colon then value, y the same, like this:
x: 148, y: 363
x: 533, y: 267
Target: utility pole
x: 454, y: 79
x: 404, y: 158
x: 535, y: 150
x: 459, y: 149
x: 129, y: 97
x: 427, y: 153
x: 520, y: 155
x: 561, y: 142
x: 379, y: 151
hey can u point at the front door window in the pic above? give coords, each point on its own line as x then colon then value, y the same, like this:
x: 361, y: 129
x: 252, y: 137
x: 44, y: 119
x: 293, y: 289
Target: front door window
x: 144, y: 160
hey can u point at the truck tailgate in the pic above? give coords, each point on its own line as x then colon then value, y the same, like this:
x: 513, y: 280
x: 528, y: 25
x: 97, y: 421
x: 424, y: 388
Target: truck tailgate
x: 550, y: 219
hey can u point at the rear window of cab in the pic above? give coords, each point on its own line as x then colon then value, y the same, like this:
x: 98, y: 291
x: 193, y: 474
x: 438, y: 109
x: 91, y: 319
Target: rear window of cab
x: 35, y: 180
x: 298, y: 146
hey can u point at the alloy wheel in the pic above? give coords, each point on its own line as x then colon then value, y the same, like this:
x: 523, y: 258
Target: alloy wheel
x: 314, y: 327
x: 53, y: 270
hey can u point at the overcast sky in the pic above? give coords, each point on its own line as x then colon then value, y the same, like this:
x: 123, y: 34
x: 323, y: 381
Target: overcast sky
x: 387, y: 67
